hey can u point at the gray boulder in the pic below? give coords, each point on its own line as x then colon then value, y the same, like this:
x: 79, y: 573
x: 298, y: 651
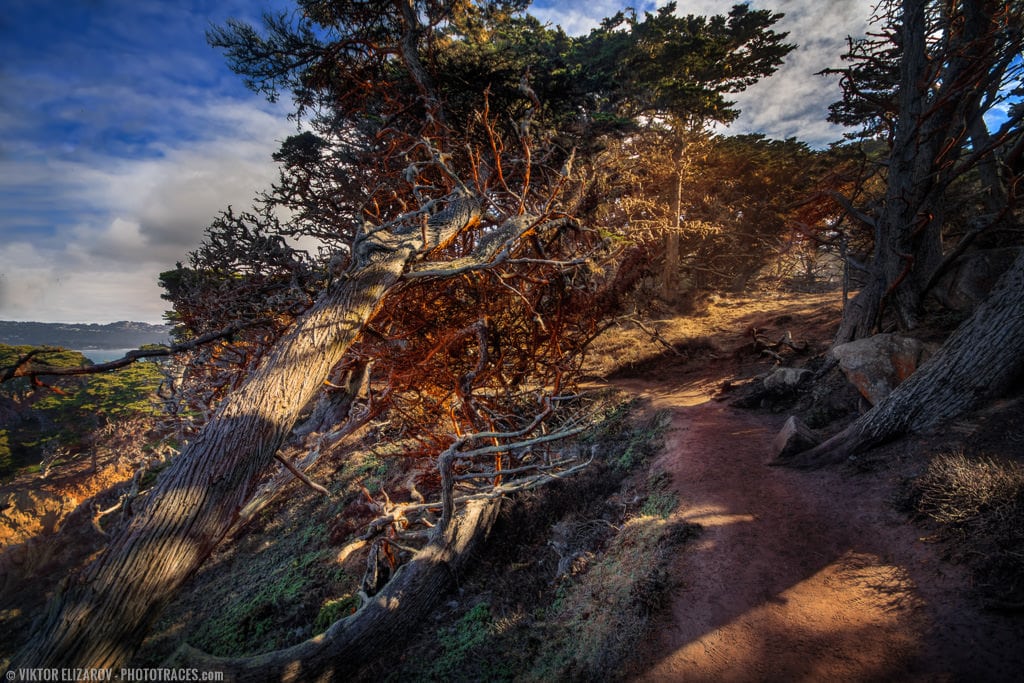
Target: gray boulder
x: 785, y: 379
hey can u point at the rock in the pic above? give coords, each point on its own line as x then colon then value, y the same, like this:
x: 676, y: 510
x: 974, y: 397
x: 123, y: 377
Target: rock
x: 793, y: 438
x: 875, y: 365
x: 785, y: 379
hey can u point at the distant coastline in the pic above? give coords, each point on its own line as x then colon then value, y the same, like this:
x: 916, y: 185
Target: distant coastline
x: 85, y: 337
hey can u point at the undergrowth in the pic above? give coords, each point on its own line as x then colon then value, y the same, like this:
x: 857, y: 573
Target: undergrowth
x: 978, y: 503
x: 563, y: 589
x: 572, y: 574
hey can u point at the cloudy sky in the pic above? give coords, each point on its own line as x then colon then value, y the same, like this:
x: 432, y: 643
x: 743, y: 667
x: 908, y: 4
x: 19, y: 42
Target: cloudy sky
x: 122, y: 134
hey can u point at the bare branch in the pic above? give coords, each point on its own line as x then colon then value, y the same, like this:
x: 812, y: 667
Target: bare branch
x: 654, y: 334
x: 16, y: 370
x: 300, y: 475
x: 852, y: 210
x: 495, y: 248
x: 12, y: 371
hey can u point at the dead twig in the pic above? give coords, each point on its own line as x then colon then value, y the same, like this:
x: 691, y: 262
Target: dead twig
x: 300, y: 475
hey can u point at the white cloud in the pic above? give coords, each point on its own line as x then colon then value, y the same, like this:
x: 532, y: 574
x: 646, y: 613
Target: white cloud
x: 69, y: 292
x: 577, y: 18
x: 137, y: 217
x: 794, y: 101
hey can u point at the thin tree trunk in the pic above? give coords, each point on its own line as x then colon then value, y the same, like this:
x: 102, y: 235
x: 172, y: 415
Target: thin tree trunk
x: 102, y: 614
x: 670, y: 274
x: 979, y: 361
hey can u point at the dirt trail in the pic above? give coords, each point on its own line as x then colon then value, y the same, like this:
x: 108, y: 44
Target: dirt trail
x: 802, y: 576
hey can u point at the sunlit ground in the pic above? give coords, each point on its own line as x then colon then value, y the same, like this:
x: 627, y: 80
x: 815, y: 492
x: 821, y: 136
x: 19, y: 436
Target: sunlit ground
x: 845, y: 622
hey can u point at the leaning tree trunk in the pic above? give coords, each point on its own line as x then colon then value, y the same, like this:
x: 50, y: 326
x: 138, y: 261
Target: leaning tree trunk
x: 979, y: 361
x: 102, y: 614
x: 379, y: 626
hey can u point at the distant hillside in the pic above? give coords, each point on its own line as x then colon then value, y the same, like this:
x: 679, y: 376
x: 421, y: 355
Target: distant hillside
x: 119, y: 335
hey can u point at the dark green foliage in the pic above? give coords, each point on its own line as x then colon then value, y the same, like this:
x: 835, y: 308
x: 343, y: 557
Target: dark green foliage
x: 335, y: 609
x: 462, y: 641
x: 64, y: 412
x: 680, y: 66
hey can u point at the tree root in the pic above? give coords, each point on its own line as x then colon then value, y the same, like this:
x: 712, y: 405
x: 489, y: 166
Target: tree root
x: 350, y: 642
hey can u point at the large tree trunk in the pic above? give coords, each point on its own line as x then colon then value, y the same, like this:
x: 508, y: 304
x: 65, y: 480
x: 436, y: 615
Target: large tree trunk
x: 906, y: 223
x: 935, y: 112
x: 102, y: 615
x: 978, y: 361
x: 379, y: 626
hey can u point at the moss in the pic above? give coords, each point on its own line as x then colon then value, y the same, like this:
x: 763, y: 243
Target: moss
x: 660, y: 504
x: 335, y: 609
x: 461, y: 642
x: 634, y: 444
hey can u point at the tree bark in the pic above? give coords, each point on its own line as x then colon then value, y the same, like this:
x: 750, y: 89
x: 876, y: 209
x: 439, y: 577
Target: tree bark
x: 380, y: 625
x: 977, y: 362
x: 102, y: 614
x: 935, y: 114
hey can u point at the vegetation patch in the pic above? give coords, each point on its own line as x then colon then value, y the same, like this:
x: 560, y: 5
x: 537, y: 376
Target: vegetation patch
x: 334, y: 609
x: 978, y: 503
x: 56, y: 424
x: 600, y: 616
x: 460, y: 641
x: 626, y: 444
x: 570, y: 578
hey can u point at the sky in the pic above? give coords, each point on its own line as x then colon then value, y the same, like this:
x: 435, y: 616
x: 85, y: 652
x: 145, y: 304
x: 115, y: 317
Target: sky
x: 122, y: 134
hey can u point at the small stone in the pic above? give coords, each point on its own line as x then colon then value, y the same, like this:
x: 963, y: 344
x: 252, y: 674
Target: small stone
x: 793, y: 438
x: 785, y: 379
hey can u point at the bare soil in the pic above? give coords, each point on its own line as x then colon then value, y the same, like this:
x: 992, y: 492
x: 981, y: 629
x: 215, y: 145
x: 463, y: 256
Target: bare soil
x: 800, y: 576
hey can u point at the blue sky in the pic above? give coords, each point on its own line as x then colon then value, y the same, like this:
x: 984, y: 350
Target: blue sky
x: 122, y: 133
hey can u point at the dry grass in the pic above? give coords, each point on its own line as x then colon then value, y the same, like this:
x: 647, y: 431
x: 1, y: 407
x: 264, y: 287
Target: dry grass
x: 970, y: 491
x: 979, y: 504
x: 720, y: 330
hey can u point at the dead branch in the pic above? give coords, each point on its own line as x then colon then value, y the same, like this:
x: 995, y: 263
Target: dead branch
x: 300, y: 475
x: 503, y: 448
x: 11, y: 371
x: 350, y: 640
x: 99, y: 514
x: 654, y: 334
x: 324, y: 443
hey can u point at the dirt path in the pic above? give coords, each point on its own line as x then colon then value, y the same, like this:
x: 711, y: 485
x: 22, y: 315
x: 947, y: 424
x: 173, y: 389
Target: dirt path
x: 803, y: 576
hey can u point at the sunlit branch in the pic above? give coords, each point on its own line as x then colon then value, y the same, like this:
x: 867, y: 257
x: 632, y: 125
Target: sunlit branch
x: 495, y: 248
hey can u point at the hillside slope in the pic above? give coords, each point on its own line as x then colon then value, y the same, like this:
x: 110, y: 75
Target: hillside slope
x: 680, y: 555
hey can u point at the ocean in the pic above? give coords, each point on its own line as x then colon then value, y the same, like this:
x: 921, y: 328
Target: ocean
x: 103, y: 355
